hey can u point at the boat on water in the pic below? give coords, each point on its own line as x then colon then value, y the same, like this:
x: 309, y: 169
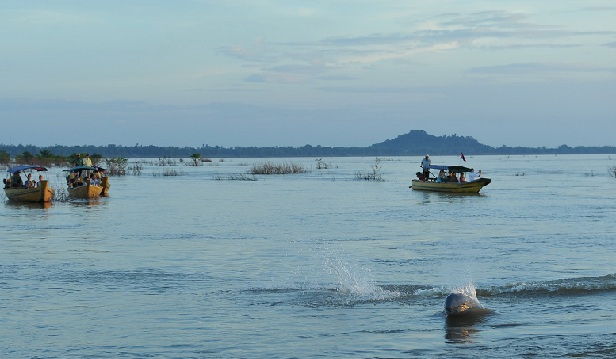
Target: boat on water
x: 450, y: 183
x: 87, y: 182
x: 29, y: 191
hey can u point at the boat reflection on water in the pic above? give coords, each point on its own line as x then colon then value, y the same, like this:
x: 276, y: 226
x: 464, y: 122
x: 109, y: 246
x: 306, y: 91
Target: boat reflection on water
x: 89, y: 202
x: 461, y: 328
x: 429, y: 197
x: 28, y: 205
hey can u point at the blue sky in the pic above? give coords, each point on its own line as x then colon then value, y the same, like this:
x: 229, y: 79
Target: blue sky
x: 349, y: 73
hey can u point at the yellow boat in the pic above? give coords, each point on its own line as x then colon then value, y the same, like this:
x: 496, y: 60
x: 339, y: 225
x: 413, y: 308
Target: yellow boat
x: 79, y: 185
x: 450, y: 187
x: 15, y: 190
x: 85, y: 192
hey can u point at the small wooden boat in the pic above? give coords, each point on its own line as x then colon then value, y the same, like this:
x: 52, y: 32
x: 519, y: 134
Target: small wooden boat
x: 434, y: 185
x: 16, y: 191
x: 451, y: 187
x: 86, y: 191
x: 81, y: 185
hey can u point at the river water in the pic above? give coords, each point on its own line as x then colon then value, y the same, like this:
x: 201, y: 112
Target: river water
x: 316, y: 264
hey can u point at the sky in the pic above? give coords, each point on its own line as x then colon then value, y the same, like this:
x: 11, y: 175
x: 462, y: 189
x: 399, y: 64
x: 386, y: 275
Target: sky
x: 287, y: 72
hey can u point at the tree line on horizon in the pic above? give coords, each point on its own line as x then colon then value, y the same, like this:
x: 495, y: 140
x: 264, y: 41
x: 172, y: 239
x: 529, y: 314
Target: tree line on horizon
x: 414, y: 143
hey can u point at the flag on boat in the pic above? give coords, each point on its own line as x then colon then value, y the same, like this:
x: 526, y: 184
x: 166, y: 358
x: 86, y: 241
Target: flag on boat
x: 462, y: 156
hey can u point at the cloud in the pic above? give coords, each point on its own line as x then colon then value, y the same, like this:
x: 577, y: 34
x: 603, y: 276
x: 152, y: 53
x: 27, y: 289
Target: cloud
x: 610, y: 44
x: 530, y: 68
x: 21, y: 104
x: 255, y: 78
x: 503, y: 46
x: 484, y: 30
x: 50, y: 17
x: 599, y: 8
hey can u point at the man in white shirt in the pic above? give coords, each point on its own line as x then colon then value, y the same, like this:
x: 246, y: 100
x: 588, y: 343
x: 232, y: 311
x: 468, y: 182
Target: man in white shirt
x: 425, y: 164
x: 472, y: 176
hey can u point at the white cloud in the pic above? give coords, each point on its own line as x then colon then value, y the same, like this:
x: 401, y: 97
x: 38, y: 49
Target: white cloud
x: 50, y: 17
x: 533, y: 68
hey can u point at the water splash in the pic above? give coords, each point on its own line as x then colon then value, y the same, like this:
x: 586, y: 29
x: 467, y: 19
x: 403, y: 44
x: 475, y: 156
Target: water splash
x: 467, y: 289
x: 353, y: 280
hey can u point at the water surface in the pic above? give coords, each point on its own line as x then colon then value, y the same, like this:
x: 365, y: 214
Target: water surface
x: 316, y: 264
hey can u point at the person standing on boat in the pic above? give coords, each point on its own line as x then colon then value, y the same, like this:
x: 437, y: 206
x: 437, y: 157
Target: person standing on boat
x: 425, y: 164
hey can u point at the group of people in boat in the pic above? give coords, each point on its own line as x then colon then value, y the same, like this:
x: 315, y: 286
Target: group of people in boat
x: 444, y: 176
x: 15, y: 181
x: 78, y: 179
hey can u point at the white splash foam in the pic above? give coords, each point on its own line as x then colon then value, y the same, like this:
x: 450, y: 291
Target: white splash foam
x: 354, y: 280
x: 470, y: 291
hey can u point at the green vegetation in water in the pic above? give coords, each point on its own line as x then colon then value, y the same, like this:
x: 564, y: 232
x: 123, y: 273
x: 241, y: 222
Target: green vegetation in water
x: 168, y: 172
x: 136, y: 169
x: 48, y: 159
x: 236, y: 177
x: 195, y: 157
x: 116, y: 166
x: 5, y: 158
x: 374, y: 175
x: 320, y: 164
x: 269, y: 168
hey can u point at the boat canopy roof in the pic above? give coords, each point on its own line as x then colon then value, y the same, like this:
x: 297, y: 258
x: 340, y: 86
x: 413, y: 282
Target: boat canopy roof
x: 85, y: 168
x: 17, y: 169
x: 456, y: 169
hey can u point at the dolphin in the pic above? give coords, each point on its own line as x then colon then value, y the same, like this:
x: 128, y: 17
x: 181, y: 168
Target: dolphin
x: 460, y: 303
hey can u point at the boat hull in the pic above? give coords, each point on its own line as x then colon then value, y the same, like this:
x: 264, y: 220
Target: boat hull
x: 85, y: 192
x: 105, y: 185
x: 451, y: 187
x: 43, y: 193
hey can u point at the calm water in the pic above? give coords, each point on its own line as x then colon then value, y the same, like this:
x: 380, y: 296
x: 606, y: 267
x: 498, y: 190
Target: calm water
x: 316, y: 264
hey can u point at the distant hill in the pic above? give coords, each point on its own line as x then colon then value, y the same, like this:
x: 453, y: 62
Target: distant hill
x: 419, y: 142
x: 413, y: 143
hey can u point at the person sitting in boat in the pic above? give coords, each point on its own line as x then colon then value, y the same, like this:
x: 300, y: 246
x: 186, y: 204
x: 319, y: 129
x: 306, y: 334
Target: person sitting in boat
x: 442, y: 177
x: 472, y: 176
x: 462, y: 178
x: 425, y: 164
x: 94, y: 181
x: 16, y: 180
x: 29, y: 182
x: 452, y: 177
x: 420, y: 176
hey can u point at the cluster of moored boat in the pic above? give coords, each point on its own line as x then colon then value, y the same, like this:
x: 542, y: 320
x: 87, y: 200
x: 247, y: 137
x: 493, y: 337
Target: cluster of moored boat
x: 88, y: 182
x: 83, y: 182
